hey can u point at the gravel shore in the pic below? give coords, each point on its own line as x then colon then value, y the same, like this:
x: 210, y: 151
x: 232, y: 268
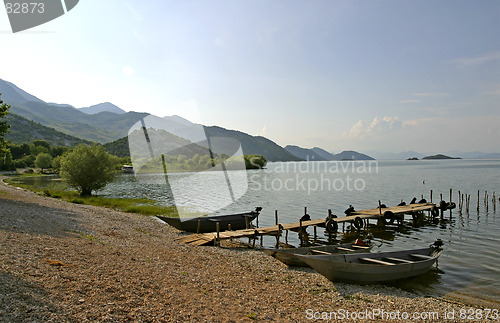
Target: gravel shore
x: 67, y: 262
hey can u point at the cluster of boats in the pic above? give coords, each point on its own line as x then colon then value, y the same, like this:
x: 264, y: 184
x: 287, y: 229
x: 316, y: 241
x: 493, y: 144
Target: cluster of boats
x: 352, y: 263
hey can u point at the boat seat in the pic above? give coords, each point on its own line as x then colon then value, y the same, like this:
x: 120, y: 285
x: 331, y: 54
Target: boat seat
x: 377, y: 261
x: 425, y: 257
x: 360, y: 247
x: 345, y: 249
x: 321, y: 252
x: 400, y: 260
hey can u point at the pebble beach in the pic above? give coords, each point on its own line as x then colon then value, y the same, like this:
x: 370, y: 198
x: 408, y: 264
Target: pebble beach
x: 64, y: 262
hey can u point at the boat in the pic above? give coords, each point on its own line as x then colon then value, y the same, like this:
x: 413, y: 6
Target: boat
x: 288, y: 256
x: 205, y: 224
x: 365, y: 268
x: 128, y: 169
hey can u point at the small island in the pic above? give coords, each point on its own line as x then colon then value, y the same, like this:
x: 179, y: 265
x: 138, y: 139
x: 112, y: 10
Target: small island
x: 440, y: 156
x: 413, y: 158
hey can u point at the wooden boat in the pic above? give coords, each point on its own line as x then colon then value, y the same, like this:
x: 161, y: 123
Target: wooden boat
x: 288, y: 256
x: 128, y: 169
x: 205, y: 224
x: 363, y: 268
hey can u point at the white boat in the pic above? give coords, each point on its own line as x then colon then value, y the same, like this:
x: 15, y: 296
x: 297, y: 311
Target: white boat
x: 128, y: 169
x: 362, y: 268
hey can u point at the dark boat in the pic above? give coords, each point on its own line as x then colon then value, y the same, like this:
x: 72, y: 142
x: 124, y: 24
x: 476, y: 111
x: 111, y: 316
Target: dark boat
x: 363, y: 268
x: 205, y: 224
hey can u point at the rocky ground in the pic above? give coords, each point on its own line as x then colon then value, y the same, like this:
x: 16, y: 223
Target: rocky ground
x: 67, y: 262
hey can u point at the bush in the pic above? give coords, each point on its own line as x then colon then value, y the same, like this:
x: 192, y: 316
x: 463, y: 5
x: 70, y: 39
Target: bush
x: 43, y: 161
x: 88, y: 168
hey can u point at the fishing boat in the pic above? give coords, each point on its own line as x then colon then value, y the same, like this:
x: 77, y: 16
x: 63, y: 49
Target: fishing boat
x: 364, y: 268
x: 129, y: 169
x: 288, y: 256
x: 205, y: 224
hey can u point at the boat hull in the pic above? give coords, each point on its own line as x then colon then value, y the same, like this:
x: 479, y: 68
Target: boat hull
x: 209, y: 223
x: 288, y: 256
x: 348, y: 267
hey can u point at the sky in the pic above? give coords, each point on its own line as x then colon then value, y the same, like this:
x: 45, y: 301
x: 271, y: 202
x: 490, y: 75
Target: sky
x: 341, y: 75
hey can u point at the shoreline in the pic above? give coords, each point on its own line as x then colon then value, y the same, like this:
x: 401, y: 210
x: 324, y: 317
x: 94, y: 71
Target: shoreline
x: 66, y: 262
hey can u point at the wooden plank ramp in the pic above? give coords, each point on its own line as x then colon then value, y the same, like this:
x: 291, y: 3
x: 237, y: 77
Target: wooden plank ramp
x: 199, y: 239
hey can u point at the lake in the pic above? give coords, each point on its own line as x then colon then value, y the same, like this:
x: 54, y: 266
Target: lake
x: 470, y: 262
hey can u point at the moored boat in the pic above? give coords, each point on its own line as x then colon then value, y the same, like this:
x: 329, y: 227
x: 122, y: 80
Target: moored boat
x: 363, y: 268
x: 288, y: 256
x: 205, y: 224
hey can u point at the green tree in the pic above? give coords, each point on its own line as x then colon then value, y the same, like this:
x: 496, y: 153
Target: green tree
x: 43, y: 161
x: 5, y: 155
x: 88, y: 168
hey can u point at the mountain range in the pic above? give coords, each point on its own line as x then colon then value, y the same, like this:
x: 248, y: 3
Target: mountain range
x: 62, y: 124
x: 319, y: 154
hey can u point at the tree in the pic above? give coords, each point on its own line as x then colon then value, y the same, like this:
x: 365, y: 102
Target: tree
x: 43, y: 161
x: 5, y: 155
x: 4, y: 127
x: 88, y: 168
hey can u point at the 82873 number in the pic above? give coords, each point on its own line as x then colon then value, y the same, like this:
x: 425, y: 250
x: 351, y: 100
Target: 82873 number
x: 25, y: 7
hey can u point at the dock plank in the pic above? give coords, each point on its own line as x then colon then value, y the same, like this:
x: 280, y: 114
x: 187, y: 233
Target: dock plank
x: 200, y: 239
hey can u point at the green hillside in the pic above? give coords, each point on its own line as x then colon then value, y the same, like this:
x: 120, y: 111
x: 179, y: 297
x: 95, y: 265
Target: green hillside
x: 254, y: 144
x: 24, y: 130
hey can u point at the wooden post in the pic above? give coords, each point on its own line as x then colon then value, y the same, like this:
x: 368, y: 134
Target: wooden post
x: 485, y: 196
x: 467, y: 197
x: 315, y: 234
x: 451, y: 194
x: 431, y: 196
x: 218, y: 237
x: 286, y: 236
x: 442, y: 212
x: 199, y: 226
x: 478, y: 200
x: 276, y: 216
x: 300, y: 228
x: 494, y: 201
x: 379, y: 209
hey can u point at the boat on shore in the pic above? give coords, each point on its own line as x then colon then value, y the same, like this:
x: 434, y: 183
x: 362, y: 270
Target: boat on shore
x: 128, y: 169
x: 289, y: 256
x: 204, y: 224
x: 365, y: 268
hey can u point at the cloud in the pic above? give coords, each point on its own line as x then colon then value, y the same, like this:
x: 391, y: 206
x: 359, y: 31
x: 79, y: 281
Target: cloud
x: 377, y: 126
x: 431, y: 94
x: 477, y: 60
x: 409, y: 101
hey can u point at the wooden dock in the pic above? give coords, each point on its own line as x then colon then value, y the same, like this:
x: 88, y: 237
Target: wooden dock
x: 398, y: 212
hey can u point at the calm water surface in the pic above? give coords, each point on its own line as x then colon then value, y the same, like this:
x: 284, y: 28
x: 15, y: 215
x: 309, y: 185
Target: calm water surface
x: 470, y: 262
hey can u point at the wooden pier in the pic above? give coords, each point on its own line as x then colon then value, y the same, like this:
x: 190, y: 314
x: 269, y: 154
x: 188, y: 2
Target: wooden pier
x: 391, y: 214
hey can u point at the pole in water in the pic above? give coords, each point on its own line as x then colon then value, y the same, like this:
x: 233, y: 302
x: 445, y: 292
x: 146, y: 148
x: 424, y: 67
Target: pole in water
x: 276, y: 216
x: 478, y: 200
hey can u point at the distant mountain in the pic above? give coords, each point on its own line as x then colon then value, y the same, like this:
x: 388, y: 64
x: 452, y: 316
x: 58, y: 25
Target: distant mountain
x: 254, y: 144
x: 101, y: 127
x: 102, y: 107
x: 323, y: 153
x: 440, y: 156
x: 320, y: 154
x: 24, y: 130
x: 305, y: 153
x: 396, y: 156
x: 352, y: 155
x: 11, y: 94
x: 168, y: 142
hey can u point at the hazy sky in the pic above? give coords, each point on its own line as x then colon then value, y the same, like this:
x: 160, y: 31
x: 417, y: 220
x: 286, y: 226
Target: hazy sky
x: 362, y: 75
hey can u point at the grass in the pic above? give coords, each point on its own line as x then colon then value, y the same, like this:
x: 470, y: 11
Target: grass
x: 141, y: 206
